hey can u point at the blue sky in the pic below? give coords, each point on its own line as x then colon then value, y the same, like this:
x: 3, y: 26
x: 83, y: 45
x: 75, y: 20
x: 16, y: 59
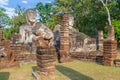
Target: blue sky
x: 10, y: 5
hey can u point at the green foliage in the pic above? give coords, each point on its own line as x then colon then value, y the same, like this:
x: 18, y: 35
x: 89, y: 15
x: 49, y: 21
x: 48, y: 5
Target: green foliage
x: 18, y: 20
x: 44, y: 11
x: 7, y: 33
x: 4, y: 18
x: 63, y: 6
x: 15, y: 22
x: 46, y: 15
x: 90, y: 15
x: 116, y: 24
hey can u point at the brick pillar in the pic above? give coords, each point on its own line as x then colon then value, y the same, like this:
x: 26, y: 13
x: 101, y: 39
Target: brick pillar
x: 46, y: 61
x: 111, y: 33
x: 100, y: 34
x: 101, y: 40
x: 64, y: 38
x: 110, y: 52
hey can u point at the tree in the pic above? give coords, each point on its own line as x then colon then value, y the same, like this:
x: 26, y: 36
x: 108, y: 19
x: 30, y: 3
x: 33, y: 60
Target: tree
x: 44, y: 11
x: 15, y: 22
x: 18, y: 20
x: 4, y: 18
x: 108, y: 12
x: 46, y: 14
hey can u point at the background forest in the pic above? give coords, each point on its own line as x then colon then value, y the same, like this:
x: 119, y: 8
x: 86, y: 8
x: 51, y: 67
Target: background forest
x: 90, y: 16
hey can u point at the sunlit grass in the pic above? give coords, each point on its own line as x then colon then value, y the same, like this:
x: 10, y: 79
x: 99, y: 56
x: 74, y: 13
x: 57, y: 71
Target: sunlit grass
x: 75, y: 70
x: 18, y: 73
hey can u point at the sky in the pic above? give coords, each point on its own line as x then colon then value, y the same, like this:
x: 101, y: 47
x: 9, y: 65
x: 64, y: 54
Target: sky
x: 10, y: 5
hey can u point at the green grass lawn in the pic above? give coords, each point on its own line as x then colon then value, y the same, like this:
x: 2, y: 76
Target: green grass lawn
x: 75, y: 70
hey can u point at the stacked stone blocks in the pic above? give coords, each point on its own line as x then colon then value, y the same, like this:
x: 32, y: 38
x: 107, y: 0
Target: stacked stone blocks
x: 64, y: 38
x: 46, y: 61
x: 110, y: 52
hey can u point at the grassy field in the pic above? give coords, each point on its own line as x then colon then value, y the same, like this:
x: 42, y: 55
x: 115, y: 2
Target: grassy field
x: 75, y: 70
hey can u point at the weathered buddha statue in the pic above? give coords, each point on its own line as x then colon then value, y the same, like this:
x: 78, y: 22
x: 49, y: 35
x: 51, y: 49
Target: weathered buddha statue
x: 43, y: 35
x: 26, y: 29
x: 78, y: 40
x: 35, y: 31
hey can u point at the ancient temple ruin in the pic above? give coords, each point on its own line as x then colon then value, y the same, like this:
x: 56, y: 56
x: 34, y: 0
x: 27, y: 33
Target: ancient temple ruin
x: 68, y: 42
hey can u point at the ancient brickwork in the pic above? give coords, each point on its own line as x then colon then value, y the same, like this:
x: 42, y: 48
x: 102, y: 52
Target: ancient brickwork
x: 46, y: 61
x: 110, y: 52
x: 25, y: 58
x: 8, y: 57
x: 64, y: 38
x: 100, y: 40
x: 111, y: 34
x: 15, y: 44
x: 93, y: 56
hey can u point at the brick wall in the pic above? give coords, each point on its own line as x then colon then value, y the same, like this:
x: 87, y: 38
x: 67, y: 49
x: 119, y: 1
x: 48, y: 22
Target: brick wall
x: 92, y: 56
x: 109, y: 52
x: 25, y: 58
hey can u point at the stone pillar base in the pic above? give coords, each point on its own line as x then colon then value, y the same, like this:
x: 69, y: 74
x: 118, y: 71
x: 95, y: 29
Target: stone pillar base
x: 46, y: 62
x: 109, y: 52
x: 64, y: 56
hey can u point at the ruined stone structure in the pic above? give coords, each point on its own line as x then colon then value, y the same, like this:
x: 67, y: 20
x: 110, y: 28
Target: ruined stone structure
x: 110, y: 48
x: 42, y: 36
x: 71, y: 40
x: 64, y: 38
x: 26, y: 30
x: 45, y: 51
x: 84, y: 43
x: 7, y: 55
x: 15, y: 44
x: 100, y: 40
x: 111, y: 34
x: 7, y: 58
x: 46, y: 62
x: 110, y: 52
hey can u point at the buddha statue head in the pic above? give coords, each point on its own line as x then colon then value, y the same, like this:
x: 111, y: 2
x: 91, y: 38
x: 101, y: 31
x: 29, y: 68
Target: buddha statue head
x: 31, y: 16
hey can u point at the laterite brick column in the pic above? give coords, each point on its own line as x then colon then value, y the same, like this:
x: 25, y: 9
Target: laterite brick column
x: 111, y: 35
x: 110, y: 52
x: 46, y: 62
x: 64, y: 38
x: 100, y: 40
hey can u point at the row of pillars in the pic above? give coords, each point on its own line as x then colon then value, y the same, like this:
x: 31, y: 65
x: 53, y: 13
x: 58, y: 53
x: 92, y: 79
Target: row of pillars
x: 46, y: 57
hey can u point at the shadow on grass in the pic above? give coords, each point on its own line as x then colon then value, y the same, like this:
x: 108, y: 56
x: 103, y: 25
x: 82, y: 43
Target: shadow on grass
x: 34, y: 68
x: 4, y: 75
x: 72, y: 74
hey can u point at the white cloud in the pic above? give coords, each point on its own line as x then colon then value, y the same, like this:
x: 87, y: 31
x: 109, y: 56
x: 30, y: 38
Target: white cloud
x: 47, y: 1
x: 25, y: 2
x: 4, y: 2
x: 9, y: 11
